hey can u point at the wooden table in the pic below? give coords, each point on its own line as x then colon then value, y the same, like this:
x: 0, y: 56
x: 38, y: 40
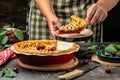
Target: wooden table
x: 96, y: 74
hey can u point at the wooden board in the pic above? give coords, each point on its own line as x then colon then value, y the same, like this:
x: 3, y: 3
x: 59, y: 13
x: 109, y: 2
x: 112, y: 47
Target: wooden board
x: 96, y: 59
x: 72, y: 63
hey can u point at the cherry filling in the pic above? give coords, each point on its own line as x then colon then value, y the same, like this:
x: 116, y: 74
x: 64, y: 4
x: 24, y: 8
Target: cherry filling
x: 40, y: 47
x: 70, y: 31
x: 51, y: 49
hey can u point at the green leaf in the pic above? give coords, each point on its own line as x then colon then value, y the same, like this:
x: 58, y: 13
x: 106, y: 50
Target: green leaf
x: 3, y: 39
x: 1, y: 73
x: 93, y: 47
x: 91, y: 50
x: 110, y: 48
x: 6, y: 26
x: 19, y: 34
x: 87, y: 52
x: 13, y: 24
x: 7, y: 45
x: 10, y: 73
x: 2, y: 31
x: 117, y: 46
x: 10, y: 29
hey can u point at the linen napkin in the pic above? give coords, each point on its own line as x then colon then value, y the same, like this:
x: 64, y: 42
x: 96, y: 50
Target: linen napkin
x: 6, y: 55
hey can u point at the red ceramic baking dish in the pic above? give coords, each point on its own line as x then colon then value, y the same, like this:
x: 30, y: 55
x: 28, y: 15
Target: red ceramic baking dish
x: 48, y: 59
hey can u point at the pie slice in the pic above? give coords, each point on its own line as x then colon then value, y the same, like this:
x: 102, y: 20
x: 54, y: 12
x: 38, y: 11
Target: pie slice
x: 76, y: 25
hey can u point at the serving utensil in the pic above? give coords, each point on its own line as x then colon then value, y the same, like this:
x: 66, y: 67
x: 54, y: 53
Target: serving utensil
x: 76, y: 73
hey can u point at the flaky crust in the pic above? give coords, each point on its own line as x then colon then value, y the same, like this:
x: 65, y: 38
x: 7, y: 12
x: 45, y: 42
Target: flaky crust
x: 78, y: 20
x: 29, y: 47
x: 75, y: 24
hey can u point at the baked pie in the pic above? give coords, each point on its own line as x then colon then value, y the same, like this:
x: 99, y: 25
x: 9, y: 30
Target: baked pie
x: 40, y: 47
x: 76, y: 25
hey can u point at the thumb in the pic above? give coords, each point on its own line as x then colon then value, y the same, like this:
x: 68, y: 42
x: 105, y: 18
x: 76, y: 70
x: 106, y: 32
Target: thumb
x: 51, y: 28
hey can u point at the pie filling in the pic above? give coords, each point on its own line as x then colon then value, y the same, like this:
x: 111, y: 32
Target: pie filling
x: 76, y: 25
x: 70, y: 31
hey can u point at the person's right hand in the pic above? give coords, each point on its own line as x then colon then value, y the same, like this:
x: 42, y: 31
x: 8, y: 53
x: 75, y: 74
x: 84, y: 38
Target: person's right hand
x: 95, y: 13
x: 54, y: 24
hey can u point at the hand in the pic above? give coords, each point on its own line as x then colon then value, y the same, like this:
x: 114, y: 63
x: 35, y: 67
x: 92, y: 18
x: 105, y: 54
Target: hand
x: 96, y: 14
x: 53, y: 24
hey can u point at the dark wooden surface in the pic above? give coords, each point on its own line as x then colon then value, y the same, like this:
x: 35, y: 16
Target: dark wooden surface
x: 96, y: 74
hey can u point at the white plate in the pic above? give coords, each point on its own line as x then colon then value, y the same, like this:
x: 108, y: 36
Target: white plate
x: 84, y: 35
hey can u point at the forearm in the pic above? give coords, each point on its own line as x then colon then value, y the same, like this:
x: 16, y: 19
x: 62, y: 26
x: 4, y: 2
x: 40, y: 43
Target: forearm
x: 107, y: 5
x: 45, y: 7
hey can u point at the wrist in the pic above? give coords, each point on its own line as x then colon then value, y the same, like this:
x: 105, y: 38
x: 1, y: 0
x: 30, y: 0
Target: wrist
x: 49, y: 16
x: 107, y: 5
x: 102, y: 5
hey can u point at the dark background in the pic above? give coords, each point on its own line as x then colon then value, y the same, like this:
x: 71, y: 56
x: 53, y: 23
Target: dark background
x: 15, y: 11
x: 112, y: 25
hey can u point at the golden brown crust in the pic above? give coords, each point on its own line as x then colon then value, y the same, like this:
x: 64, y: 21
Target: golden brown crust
x: 75, y: 24
x: 29, y: 46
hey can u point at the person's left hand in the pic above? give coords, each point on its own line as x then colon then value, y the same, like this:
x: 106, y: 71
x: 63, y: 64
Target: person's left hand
x: 95, y: 14
x: 54, y: 24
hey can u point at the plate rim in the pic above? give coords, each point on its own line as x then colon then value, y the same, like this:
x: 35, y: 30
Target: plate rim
x: 107, y: 57
x: 74, y: 35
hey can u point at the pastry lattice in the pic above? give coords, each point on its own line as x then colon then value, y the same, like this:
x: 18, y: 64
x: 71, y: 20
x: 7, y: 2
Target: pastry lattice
x: 75, y: 24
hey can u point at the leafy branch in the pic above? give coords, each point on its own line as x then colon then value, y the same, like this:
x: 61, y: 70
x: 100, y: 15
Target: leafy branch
x: 9, y: 34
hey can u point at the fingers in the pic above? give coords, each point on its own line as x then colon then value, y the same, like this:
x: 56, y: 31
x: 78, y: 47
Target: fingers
x: 54, y: 25
x: 57, y: 25
x: 95, y: 14
x: 95, y: 17
x: 51, y: 28
x: 102, y: 18
x: 90, y: 13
